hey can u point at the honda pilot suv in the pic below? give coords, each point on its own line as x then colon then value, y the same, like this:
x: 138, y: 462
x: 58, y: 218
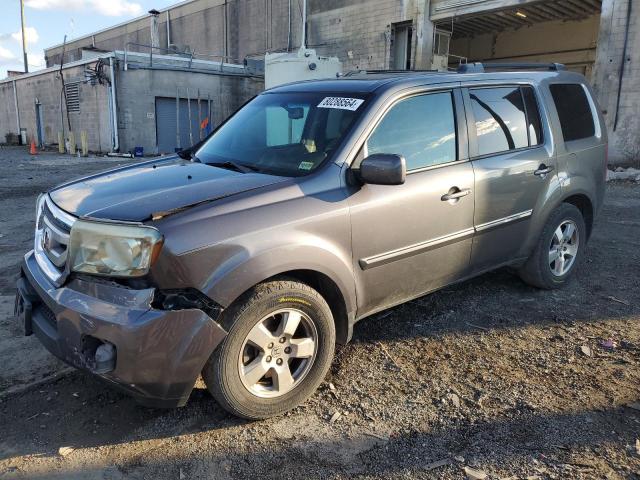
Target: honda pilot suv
x: 249, y: 257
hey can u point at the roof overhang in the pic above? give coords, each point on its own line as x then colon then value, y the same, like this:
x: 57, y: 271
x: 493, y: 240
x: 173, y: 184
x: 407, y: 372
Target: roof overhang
x: 475, y: 17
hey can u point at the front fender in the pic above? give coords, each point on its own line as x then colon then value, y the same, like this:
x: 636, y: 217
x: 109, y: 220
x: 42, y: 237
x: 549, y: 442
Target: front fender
x: 244, y: 269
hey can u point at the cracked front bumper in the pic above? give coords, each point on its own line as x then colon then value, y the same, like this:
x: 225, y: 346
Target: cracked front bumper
x: 159, y: 353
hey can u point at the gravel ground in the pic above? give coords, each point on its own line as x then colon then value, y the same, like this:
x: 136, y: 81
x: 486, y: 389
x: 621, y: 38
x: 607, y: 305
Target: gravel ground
x: 486, y: 377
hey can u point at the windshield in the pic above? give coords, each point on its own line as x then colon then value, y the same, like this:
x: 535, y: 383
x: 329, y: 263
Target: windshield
x: 287, y: 134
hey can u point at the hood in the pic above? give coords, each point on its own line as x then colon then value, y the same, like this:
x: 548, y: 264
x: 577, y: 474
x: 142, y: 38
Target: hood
x: 137, y: 192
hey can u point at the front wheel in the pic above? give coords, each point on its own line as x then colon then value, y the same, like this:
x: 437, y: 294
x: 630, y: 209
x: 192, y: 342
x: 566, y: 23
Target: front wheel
x: 558, y: 251
x: 279, y: 347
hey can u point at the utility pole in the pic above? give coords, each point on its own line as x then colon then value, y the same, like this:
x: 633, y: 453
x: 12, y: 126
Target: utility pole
x: 24, y: 38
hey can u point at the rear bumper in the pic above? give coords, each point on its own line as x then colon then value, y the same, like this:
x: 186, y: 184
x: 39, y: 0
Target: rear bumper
x: 158, y: 353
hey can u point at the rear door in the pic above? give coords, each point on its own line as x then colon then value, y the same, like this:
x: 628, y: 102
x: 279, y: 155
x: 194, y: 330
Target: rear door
x: 514, y: 166
x: 411, y: 238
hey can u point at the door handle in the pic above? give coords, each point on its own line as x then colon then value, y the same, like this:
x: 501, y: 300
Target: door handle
x: 455, y: 193
x: 543, y: 170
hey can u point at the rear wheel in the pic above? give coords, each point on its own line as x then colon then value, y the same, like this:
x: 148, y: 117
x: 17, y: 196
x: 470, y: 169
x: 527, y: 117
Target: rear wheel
x: 279, y: 347
x: 558, y: 251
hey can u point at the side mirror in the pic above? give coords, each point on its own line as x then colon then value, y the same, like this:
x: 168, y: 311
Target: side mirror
x: 383, y: 169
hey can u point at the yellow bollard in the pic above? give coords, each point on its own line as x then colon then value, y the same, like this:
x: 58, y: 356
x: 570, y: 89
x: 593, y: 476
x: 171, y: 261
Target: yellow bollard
x: 60, y: 142
x: 84, y: 141
x: 72, y: 143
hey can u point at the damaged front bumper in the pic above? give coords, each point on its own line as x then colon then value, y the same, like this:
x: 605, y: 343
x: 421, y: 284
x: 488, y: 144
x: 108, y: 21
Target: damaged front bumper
x: 114, y: 332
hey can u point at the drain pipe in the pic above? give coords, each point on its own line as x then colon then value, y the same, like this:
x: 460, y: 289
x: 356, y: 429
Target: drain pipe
x: 289, y: 28
x: 304, y: 24
x: 15, y: 102
x: 114, y: 125
x: 168, y: 31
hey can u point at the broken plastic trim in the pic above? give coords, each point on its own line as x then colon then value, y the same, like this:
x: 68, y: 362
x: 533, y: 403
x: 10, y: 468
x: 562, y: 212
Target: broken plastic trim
x: 185, y: 299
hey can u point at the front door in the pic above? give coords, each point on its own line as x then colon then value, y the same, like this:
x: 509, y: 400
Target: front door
x: 411, y: 238
x: 514, y: 165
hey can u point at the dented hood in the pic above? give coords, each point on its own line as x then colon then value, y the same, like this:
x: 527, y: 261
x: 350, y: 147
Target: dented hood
x: 139, y: 192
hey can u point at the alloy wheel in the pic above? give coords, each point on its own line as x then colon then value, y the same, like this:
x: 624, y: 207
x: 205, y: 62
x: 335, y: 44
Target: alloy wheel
x: 564, y: 248
x: 278, y: 353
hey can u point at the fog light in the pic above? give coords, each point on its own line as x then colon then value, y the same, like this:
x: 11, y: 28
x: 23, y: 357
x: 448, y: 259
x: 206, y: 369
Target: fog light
x: 105, y: 358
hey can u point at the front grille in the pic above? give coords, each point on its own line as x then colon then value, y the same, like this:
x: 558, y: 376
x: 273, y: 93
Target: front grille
x: 53, y: 227
x: 56, y: 221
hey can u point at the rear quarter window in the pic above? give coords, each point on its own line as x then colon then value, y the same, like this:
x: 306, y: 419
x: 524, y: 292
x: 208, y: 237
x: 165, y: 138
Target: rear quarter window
x: 574, y: 111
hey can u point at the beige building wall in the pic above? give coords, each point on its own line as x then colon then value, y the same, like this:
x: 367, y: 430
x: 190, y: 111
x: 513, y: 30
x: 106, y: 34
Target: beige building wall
x: 572, y: 43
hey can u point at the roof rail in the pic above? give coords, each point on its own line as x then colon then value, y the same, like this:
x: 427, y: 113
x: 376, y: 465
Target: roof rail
x: 382, y: 72
x: 479, y: 67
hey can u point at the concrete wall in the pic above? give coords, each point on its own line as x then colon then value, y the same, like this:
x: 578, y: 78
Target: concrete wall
x: 45, y: 88
x: 572, y: 43
x: 137, y: 91
x: 624, y: 139
x: 251, y: 26
x: 357, y: 31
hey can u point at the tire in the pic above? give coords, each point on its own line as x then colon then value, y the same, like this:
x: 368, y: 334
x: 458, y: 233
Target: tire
x: 539, y: 270
x: 232, y: 368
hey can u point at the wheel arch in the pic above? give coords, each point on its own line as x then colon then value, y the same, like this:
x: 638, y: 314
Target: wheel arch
x: 583, y: 203
x: 330, y: 291
x: 326, y: 272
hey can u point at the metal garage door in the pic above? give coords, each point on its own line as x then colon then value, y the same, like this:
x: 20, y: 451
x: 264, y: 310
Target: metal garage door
x: 169, y: 125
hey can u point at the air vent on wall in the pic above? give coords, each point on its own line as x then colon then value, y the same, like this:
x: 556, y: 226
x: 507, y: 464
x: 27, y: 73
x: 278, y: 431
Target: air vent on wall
x: 72, y: 93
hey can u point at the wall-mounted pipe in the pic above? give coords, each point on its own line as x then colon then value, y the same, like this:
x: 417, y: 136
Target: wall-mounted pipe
x: 304, y: 24
x: 168, y: 31
x: 15, y: 102
x: 114, y: 124
x: 289, y: 28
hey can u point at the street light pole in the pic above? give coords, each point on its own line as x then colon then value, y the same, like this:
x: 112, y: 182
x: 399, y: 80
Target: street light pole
x: 24, y: 38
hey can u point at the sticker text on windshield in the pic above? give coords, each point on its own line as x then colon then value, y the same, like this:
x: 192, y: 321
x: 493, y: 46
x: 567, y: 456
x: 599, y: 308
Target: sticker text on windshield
x: 341, y: 102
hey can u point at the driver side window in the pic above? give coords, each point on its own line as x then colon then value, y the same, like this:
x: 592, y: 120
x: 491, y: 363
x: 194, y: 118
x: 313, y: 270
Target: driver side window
x: 420, y: 128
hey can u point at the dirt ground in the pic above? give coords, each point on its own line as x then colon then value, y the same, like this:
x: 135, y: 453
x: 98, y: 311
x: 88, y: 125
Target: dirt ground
x: 486, y: 377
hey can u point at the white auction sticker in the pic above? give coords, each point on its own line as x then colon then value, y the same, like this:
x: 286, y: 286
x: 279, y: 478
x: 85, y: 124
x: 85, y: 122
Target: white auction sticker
x: 341, y: 102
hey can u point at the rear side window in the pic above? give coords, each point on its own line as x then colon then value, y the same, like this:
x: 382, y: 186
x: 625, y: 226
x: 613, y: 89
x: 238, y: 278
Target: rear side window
x: 500, y: 119
x: 534, y: 124
x: 420, y: 128
x: 574, y: 111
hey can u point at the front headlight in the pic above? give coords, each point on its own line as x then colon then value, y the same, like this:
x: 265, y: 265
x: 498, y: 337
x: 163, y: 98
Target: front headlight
x: 110, y: 249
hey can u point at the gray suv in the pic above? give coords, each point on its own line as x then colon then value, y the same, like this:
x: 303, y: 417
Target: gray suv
x: 248, y: 257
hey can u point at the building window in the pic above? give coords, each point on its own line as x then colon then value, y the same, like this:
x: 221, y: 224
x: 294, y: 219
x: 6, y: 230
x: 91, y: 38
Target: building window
x: 72, y: 94
x: 574, y: 112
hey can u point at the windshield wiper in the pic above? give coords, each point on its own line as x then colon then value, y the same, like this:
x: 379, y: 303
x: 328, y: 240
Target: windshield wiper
x: 231, y: 165
x: 223, y: 163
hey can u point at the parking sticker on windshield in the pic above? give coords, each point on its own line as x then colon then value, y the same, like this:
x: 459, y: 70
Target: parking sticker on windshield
x: 305, y: 166
x: 341, y: 103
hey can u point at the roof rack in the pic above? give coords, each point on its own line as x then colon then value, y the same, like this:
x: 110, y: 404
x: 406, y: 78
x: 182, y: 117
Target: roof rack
x: 479, y: 67
x: 383, y: 72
